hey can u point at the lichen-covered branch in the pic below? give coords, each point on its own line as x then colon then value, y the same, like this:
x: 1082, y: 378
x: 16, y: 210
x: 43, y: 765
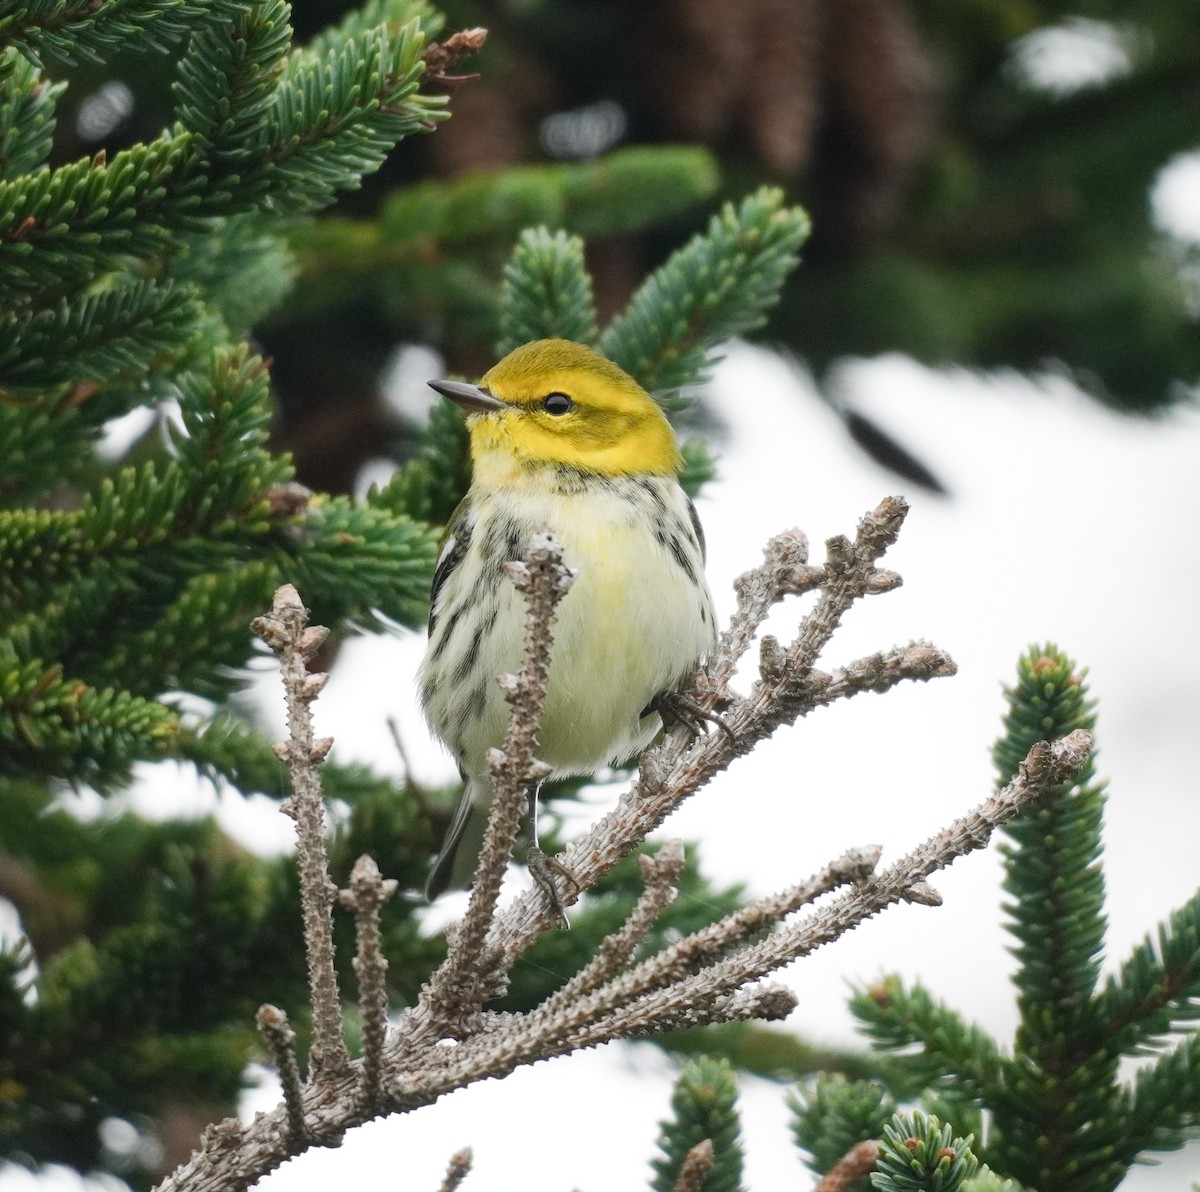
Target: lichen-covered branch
x: 858, y: 1161
x: 367, y: 893
x: 469, y: 974
x: 287, y: 632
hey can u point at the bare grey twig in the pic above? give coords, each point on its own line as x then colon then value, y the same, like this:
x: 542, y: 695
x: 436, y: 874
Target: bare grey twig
x: 457, y: 1170
x: 659, y: 873
x: 717, y: 974
x: 367, y: 893
x: 280, y: 1039
x: 694, y: 1169
x: 466, y: 979
x: 285, y: 629
x: 858, y: 1161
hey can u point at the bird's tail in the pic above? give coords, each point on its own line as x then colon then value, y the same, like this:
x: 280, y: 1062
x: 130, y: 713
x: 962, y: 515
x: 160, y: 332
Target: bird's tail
x: 454, y: 868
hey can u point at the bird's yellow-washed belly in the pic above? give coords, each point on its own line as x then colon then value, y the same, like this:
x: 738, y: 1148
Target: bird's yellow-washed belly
x: 630, y: 628
x: 633, y: 625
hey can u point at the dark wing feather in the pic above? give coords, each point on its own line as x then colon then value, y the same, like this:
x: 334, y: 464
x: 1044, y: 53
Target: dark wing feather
x: 456, y: 539
x: 697, y: 528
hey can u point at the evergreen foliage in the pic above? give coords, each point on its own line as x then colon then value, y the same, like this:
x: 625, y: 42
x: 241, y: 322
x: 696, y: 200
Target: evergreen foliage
x: 1060, y: 1117
x: 126, y: 585
x: 919, y: 1154
x: 834, y: 1115
x: 703, y: 1106
x: 546, y: 284
x: 467, y: 224
x: 128, y: 576
x: 720, y: 284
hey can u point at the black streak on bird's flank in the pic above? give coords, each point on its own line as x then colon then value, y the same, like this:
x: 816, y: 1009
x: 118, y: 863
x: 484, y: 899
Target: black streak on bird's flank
x: 470, y: 656
x: 451, y: 558
x: 514, y: 542
x: 677, y: 544
x: 474, y: 705
x: 452, y: 620
x: 487, y: 619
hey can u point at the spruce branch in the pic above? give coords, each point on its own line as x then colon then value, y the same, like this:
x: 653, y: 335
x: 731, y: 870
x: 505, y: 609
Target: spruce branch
x: 1162, y: 1111
x: 832, y: 1116
x: 899, y: 1018
x: 1157, y: 989
x: 461, y: 220
x: 858, y: 1161
x: 367, y: 893
x: 258, y: 130
x: 287, y: 633
x: 75, y: 31
x: 457, y: 1170
x: 463, y: 982
x: 106, y: 339
x: 703, y: 1111
x: 336, y: 118
x: 392, y: 14
x: 226, y: 82
x: 26, y: 114
x: 1059, y: 1116
x: 719, y: 285
x: 448, y: 1040
x: 695, y: 1168
x: 547, y: 292
x: 280, y: 1039
x: 1063, y: 1078
x: 919, y: 1154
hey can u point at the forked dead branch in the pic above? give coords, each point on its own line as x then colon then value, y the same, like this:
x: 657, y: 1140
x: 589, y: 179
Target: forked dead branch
x: 713, y: 976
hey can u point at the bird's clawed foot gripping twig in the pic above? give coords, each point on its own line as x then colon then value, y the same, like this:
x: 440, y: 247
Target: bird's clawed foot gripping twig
x: 449, y: 1039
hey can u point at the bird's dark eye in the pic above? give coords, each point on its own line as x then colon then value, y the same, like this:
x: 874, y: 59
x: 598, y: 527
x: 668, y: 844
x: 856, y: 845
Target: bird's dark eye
x: 557, y: 403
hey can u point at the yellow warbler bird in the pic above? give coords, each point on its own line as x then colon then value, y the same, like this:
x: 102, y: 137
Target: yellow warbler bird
x: 562, y: 436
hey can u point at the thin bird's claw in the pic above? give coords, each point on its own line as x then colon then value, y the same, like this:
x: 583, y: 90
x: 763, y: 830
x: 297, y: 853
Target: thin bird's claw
x: 676, y: 708
x: 542, y: 869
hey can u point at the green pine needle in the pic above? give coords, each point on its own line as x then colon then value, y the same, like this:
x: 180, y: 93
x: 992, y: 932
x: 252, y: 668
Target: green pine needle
x: 53, y: 723
x: 832, y: 1115
x: 703, y: 1106
x: 919, y: 1154
x: 953, y: 1053
x: 73, y: 31
x: 1053, y: 872
x: 547, y: 292
x: 393, y: 14
x: 719, y: 285
x: 26, y: 114
x: 1157, y: 990
x: 1162, y: 1111
x: 110, y: 338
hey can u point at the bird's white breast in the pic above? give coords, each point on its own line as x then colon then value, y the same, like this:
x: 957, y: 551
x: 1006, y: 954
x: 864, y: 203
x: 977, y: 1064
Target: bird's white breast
x: 636, y: 621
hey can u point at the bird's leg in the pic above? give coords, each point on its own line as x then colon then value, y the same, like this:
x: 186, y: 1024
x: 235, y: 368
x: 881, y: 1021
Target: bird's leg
x: 543, y: 868
x: 676, y: 708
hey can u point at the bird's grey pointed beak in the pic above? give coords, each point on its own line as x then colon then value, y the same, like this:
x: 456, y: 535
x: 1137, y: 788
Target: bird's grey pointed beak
x: 470, y: 397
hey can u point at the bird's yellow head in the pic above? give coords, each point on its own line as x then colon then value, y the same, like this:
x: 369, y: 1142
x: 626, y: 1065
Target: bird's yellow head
x: 557, y: 403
